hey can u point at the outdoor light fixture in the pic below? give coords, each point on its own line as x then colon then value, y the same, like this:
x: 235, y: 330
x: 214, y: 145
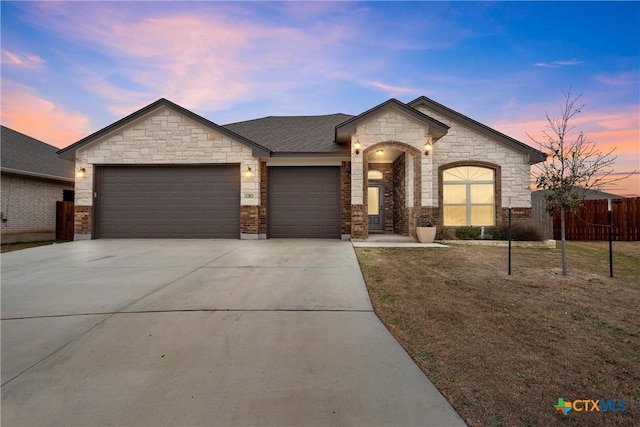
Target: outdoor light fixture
x: 248, y: 173
x: 81, y: 172
x: 357, y: 146
x: 379, y: 152
x: 427, y: 148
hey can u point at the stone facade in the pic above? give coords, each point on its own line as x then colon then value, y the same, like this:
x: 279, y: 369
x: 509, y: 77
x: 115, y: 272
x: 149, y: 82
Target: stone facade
x: 167, y: 137
x: 412, y: 182
x: 417, y: 190
x: 462, y: 144
x: 29, y: 207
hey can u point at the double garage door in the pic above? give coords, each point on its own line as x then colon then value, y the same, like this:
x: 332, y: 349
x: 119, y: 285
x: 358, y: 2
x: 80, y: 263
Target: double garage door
x: 168, y: 202
x: 204, y: 202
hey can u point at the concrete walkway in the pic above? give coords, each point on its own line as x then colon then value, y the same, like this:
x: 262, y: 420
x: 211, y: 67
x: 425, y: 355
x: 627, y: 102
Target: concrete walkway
x: 202, y: 332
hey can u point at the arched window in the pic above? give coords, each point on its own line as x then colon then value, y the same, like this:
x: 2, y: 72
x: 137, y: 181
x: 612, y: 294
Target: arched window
x: 468, y: 196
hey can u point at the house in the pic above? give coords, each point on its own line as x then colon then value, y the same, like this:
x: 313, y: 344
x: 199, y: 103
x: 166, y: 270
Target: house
x: 165, y: 171
x: 34, y: 178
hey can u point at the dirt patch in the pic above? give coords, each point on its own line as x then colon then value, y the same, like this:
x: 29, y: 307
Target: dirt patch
x: 502, y: 349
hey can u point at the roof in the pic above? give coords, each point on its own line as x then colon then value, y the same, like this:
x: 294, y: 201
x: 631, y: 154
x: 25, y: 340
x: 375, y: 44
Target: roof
x: 70, y: 151
x: 24, y: 155
x: 587, y: 193
x: 535, y: 156
x: 436, y: 128
x: 294, y: 134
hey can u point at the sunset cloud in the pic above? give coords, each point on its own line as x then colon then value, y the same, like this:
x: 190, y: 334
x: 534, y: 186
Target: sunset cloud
x: 393, y: 90
x: 23, y: 60
x: 200, y: 60
x: 618, y: 131
x: 25, y: 111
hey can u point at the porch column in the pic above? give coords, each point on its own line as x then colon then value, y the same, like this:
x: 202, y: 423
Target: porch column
x: 358, y: 215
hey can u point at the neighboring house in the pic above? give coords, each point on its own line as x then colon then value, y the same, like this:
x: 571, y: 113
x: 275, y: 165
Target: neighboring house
x: 34, y: 178
x: 587, y: 193
x: 165, y: 171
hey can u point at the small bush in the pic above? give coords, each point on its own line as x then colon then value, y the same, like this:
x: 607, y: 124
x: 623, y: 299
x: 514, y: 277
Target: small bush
x: 498, y: 233
x: 467, y: 232
x: 521, y: 231
x: 445, y: 233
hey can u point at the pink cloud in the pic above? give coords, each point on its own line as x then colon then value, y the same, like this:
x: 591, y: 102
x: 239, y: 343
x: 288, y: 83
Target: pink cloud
x: 25, y: 111
x: 206, y: 59
x: 392, y: 89
x: 23, y: 60
x: 617, y: 130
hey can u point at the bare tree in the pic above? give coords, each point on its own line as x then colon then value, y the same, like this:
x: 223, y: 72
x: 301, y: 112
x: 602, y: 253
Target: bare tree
x: 574, y: 165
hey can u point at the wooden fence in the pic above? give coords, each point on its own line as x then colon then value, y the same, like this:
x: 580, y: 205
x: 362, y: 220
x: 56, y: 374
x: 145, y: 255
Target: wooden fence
x: 590, y: 221
x: 64, y: 220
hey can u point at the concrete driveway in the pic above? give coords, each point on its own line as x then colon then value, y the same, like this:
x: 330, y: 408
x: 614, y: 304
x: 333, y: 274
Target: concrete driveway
x: 202, y: 332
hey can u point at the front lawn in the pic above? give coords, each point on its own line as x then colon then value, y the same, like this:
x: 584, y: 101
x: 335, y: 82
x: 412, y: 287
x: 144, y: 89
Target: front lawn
x: 502, y: 349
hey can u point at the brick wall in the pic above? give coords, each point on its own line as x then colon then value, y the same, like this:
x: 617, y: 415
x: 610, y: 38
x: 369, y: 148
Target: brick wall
x: 29, y: 206
x: 249, y: 221
x: 262, y: 209
x: 345, y: 199
x: 359, y: 225
x: 83, y: 221
x: 400, y: 219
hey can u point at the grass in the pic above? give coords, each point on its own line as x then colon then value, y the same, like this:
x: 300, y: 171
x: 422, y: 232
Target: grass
x: 10, y: 247
x: 502, y: 349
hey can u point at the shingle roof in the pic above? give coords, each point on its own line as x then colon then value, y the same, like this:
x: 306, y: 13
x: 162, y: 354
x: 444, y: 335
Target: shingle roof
x: 28, y: 156
x: 294, y: 134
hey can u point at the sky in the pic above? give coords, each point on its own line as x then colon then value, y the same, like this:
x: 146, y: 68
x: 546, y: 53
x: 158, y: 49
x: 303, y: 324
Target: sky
x: 71, y: 68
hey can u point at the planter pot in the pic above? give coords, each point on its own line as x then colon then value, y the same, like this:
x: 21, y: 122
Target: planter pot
x: 426, y: 234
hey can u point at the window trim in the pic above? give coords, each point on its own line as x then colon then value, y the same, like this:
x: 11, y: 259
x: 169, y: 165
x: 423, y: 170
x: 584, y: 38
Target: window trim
x: 497, y: 187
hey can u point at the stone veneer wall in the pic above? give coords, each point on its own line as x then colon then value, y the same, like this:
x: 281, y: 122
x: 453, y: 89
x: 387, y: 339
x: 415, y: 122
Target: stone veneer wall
x: 166, y: 137
x: 464, y: 144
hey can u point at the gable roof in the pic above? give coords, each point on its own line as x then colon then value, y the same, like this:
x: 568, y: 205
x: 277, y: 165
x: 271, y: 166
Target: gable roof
x: 70, y: 151
x: 24, y: 155
x: 290, y: 135
x: 535, y: 156
x: 436, y: 128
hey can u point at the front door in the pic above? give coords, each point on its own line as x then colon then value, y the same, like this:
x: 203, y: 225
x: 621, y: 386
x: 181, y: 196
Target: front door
x: 375, y: 201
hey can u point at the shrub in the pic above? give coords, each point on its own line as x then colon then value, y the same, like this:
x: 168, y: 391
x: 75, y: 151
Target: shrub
x: 527, y: 231
x: 498, y: 233
x: 445, y: 233
x: 522, y: 231
x: 467, y: 232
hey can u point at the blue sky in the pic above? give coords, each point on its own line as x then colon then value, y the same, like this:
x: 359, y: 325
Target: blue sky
x: 71, y: 68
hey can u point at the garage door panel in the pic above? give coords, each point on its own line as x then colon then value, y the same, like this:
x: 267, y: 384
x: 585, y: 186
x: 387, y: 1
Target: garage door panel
x: 304, y: 202
x: 169, y: 202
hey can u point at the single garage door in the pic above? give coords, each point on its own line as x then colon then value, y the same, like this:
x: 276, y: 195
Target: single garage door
x: 304, y: 202
x: 168, y: 202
